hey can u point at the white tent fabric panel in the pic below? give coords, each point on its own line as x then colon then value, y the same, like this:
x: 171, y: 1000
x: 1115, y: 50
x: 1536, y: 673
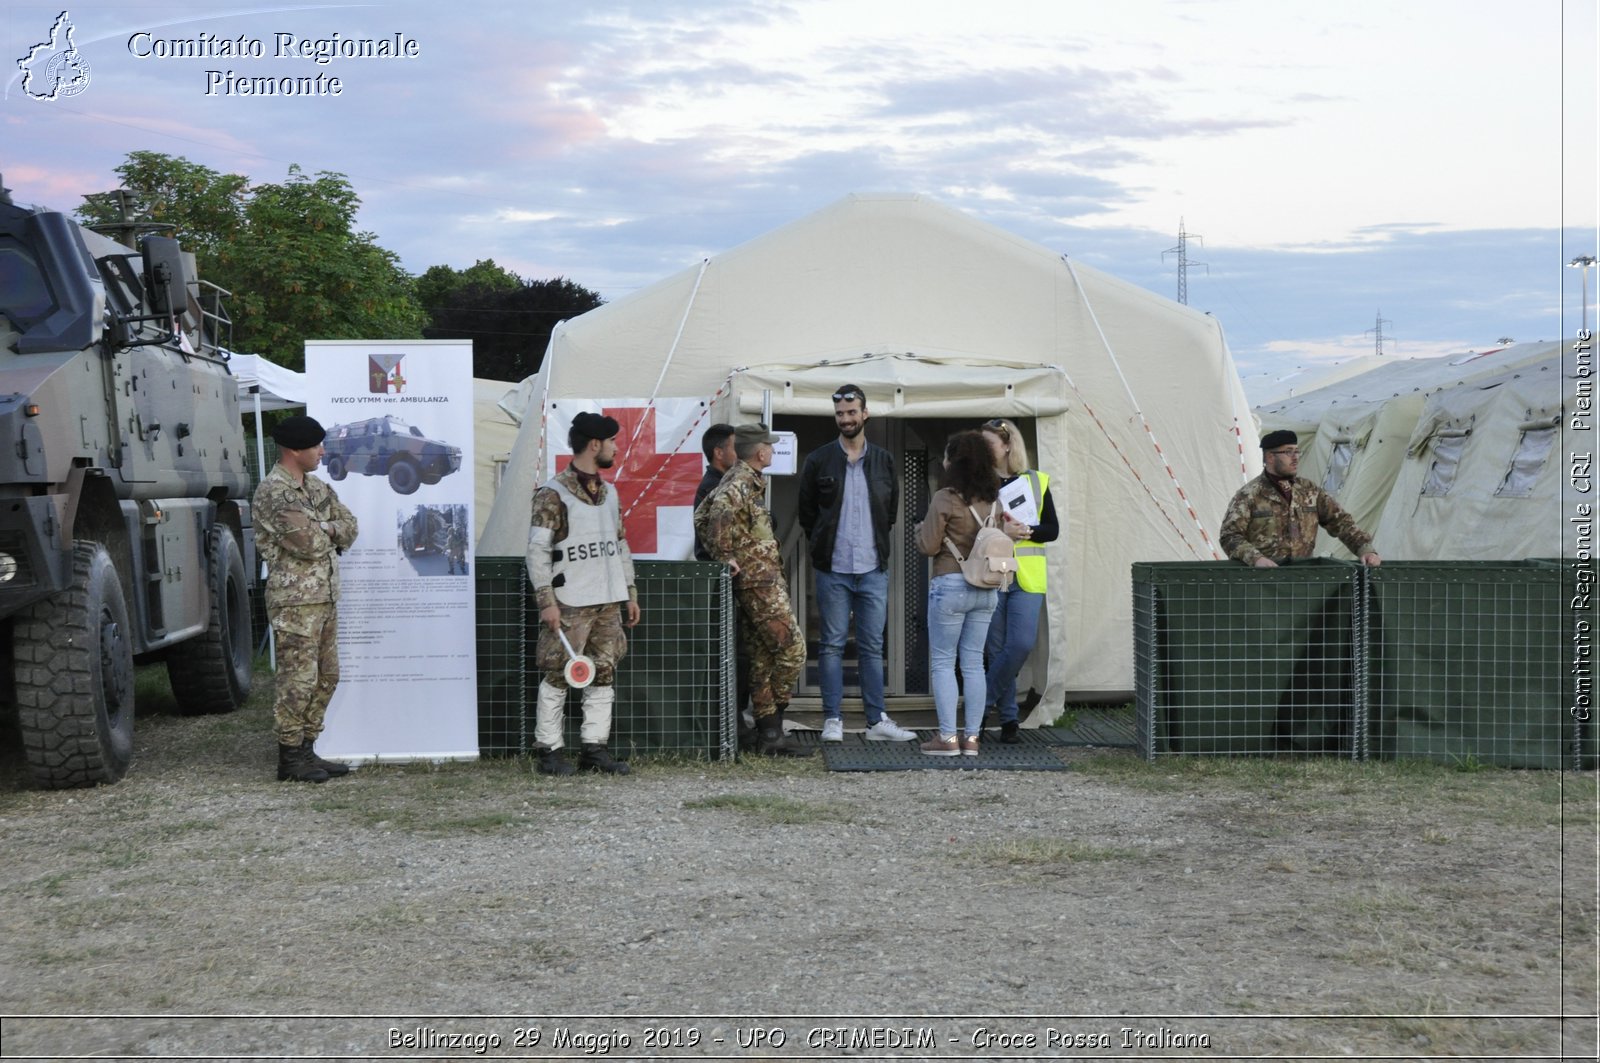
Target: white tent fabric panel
x: 1477, y: 519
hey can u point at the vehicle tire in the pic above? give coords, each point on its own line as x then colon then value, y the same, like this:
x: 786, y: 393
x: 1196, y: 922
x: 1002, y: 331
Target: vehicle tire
x: 403, y: 476
x: 73, y: 657
x: 211, y: 672
x: 336, y: 469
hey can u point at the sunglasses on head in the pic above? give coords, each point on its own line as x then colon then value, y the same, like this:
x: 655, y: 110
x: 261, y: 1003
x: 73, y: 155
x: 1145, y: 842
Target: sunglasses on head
x: 998, y: 427
x: 846, y: 395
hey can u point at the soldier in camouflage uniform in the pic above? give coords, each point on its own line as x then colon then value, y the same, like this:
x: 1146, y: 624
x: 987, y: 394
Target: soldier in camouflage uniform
x: 301, y: 528
x: 582, y: 576
x: 736, y: 528
x: 1274, y: 518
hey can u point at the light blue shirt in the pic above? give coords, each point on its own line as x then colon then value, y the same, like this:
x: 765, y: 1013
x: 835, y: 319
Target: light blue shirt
x: 854, y: 550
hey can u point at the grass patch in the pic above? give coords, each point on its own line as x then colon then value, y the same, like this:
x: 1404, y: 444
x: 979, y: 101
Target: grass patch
x: 772, y: 809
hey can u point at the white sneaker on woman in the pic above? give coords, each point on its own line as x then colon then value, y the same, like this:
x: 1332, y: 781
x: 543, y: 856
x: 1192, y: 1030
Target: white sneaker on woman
x: 886, y: 730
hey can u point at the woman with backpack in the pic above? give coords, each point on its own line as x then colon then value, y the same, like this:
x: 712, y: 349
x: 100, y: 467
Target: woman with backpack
x: 959, y: 607
x: 1015, y: 626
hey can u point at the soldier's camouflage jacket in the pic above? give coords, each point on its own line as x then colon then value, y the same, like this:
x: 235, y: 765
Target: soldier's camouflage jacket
x: 1260, y: 522
x: 734, y: 524
x: 302, y: 559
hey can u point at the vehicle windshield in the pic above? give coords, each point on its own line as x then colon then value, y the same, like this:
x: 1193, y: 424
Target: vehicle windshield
x: 24, y: 296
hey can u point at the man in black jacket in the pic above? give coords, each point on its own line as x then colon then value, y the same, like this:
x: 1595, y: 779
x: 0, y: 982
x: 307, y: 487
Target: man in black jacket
x: 849, y: 494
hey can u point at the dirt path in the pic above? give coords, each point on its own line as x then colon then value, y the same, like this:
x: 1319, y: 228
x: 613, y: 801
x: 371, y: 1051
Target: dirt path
x: 1376, y: 908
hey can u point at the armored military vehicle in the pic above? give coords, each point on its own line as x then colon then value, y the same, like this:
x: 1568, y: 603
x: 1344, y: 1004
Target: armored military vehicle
x: 388, y: 446
x: 424, y: 532
x: 124, y: 514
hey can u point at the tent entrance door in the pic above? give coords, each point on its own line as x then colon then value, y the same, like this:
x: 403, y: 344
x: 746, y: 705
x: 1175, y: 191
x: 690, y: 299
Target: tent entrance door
x: 915, y: 444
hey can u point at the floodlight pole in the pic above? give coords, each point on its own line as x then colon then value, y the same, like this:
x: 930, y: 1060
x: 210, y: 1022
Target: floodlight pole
x: 1582, y: 264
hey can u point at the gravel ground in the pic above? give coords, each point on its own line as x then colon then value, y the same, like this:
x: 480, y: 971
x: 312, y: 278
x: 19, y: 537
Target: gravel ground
x: 1203, y: 909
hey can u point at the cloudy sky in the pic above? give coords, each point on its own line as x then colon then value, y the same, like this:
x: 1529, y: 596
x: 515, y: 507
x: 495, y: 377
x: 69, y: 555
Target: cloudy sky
x: 1433, y: 161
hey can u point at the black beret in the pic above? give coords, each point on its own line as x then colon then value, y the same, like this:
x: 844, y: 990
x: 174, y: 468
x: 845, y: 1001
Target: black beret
x: 298, y: 433
x: 753, y: 433
x: 1281, y: 438
x: 595, y: 426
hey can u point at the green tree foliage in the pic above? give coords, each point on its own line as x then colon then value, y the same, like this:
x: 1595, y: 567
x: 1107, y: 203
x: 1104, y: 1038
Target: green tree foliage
x: 205, y: 208
x: 288, y: 252
x: 508, y: 319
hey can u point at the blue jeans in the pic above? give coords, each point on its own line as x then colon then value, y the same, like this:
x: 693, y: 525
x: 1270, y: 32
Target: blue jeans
x: 866, y: 596
x: 958, y: 623
x: 1011, y: 637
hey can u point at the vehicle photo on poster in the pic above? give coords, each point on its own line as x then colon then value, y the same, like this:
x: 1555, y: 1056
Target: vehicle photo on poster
x: 388, y: 446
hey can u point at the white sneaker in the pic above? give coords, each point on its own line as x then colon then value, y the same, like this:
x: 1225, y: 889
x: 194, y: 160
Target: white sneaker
x: 833, y: 729
x: 886, y: 730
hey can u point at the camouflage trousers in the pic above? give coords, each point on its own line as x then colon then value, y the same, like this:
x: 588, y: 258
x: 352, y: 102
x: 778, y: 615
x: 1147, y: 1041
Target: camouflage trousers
x: 308, y: 669
x: 595, y: 631
x: 777, y: 648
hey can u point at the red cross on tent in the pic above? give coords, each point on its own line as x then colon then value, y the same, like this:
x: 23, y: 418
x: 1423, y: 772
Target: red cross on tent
x: 644, y: 477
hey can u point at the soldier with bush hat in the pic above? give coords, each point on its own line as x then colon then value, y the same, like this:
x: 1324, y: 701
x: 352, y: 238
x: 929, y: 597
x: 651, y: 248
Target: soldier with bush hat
x: 737, y: 529
x: 301, y: 528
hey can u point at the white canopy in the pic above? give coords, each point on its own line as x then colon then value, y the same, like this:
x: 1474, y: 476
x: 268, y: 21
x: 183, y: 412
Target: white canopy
x: 1134, y: 399
x: 277, y: 388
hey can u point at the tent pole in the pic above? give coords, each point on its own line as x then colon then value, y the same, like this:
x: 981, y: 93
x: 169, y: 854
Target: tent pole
x: 261, y: 474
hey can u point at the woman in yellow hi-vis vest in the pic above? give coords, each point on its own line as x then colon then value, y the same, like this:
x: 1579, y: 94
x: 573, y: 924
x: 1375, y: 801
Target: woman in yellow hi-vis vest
x: 1015, y: 626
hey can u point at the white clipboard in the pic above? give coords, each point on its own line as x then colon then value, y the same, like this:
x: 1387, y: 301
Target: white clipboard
x: 1017, y: 500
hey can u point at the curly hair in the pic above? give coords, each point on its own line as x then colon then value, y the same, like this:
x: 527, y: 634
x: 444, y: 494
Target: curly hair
x: 969, y: 468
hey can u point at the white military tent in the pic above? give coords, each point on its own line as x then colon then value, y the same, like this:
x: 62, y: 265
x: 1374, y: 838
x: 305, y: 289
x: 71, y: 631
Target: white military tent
x: 1132, y: 401
x: 1481, y: 473
x: 1357, y: 433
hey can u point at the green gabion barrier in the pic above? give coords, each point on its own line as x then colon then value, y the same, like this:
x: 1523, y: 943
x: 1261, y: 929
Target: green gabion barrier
x: 1458, y: 662
x: 1467, y: 664
x: 674, y: 687
x: 1234, y: 660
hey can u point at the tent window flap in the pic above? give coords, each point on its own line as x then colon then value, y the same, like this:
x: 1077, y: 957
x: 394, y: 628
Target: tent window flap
x: 1338, y: 466
x: 1447, y: 448
x: 1534, y: 446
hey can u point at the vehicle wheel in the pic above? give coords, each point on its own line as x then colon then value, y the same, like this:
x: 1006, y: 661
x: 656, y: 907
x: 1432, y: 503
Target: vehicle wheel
x: 336, y: 469
x: 211, y: 672
x: 73, y: 657
x: 403, y: 476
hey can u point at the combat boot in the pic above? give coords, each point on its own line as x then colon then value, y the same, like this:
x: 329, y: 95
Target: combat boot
x: 596, y: 757
x: 294, y: 764
x: 551, y: 762
x: 331, y: 768
x: 774, y: 742
x: 749, y: 736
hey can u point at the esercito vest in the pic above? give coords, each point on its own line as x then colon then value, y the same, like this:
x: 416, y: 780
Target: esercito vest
x: 586, y: 566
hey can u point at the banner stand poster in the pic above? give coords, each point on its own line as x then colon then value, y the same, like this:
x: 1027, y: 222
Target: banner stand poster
x: 399, y: 454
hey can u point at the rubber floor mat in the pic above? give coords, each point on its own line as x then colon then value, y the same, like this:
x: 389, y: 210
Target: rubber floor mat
x: 856, y: 754
x: 1098, y: 727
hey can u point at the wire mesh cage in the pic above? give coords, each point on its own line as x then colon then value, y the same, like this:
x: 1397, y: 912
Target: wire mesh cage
x: 1233, y: 660
x: 674, y: 687
x: 1459, y: 662
x: 505, y: 726
x: 1466, y: 664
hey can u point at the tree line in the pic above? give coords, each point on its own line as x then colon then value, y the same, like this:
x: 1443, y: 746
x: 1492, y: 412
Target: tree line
x: 298, y: 269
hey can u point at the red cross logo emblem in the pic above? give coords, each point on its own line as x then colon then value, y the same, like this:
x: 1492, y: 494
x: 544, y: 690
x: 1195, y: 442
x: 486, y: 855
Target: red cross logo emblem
x: 645, y: 478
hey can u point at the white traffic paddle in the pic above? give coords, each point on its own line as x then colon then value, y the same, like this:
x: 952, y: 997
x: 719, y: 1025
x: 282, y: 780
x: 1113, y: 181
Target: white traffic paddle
x: 580, y: 669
